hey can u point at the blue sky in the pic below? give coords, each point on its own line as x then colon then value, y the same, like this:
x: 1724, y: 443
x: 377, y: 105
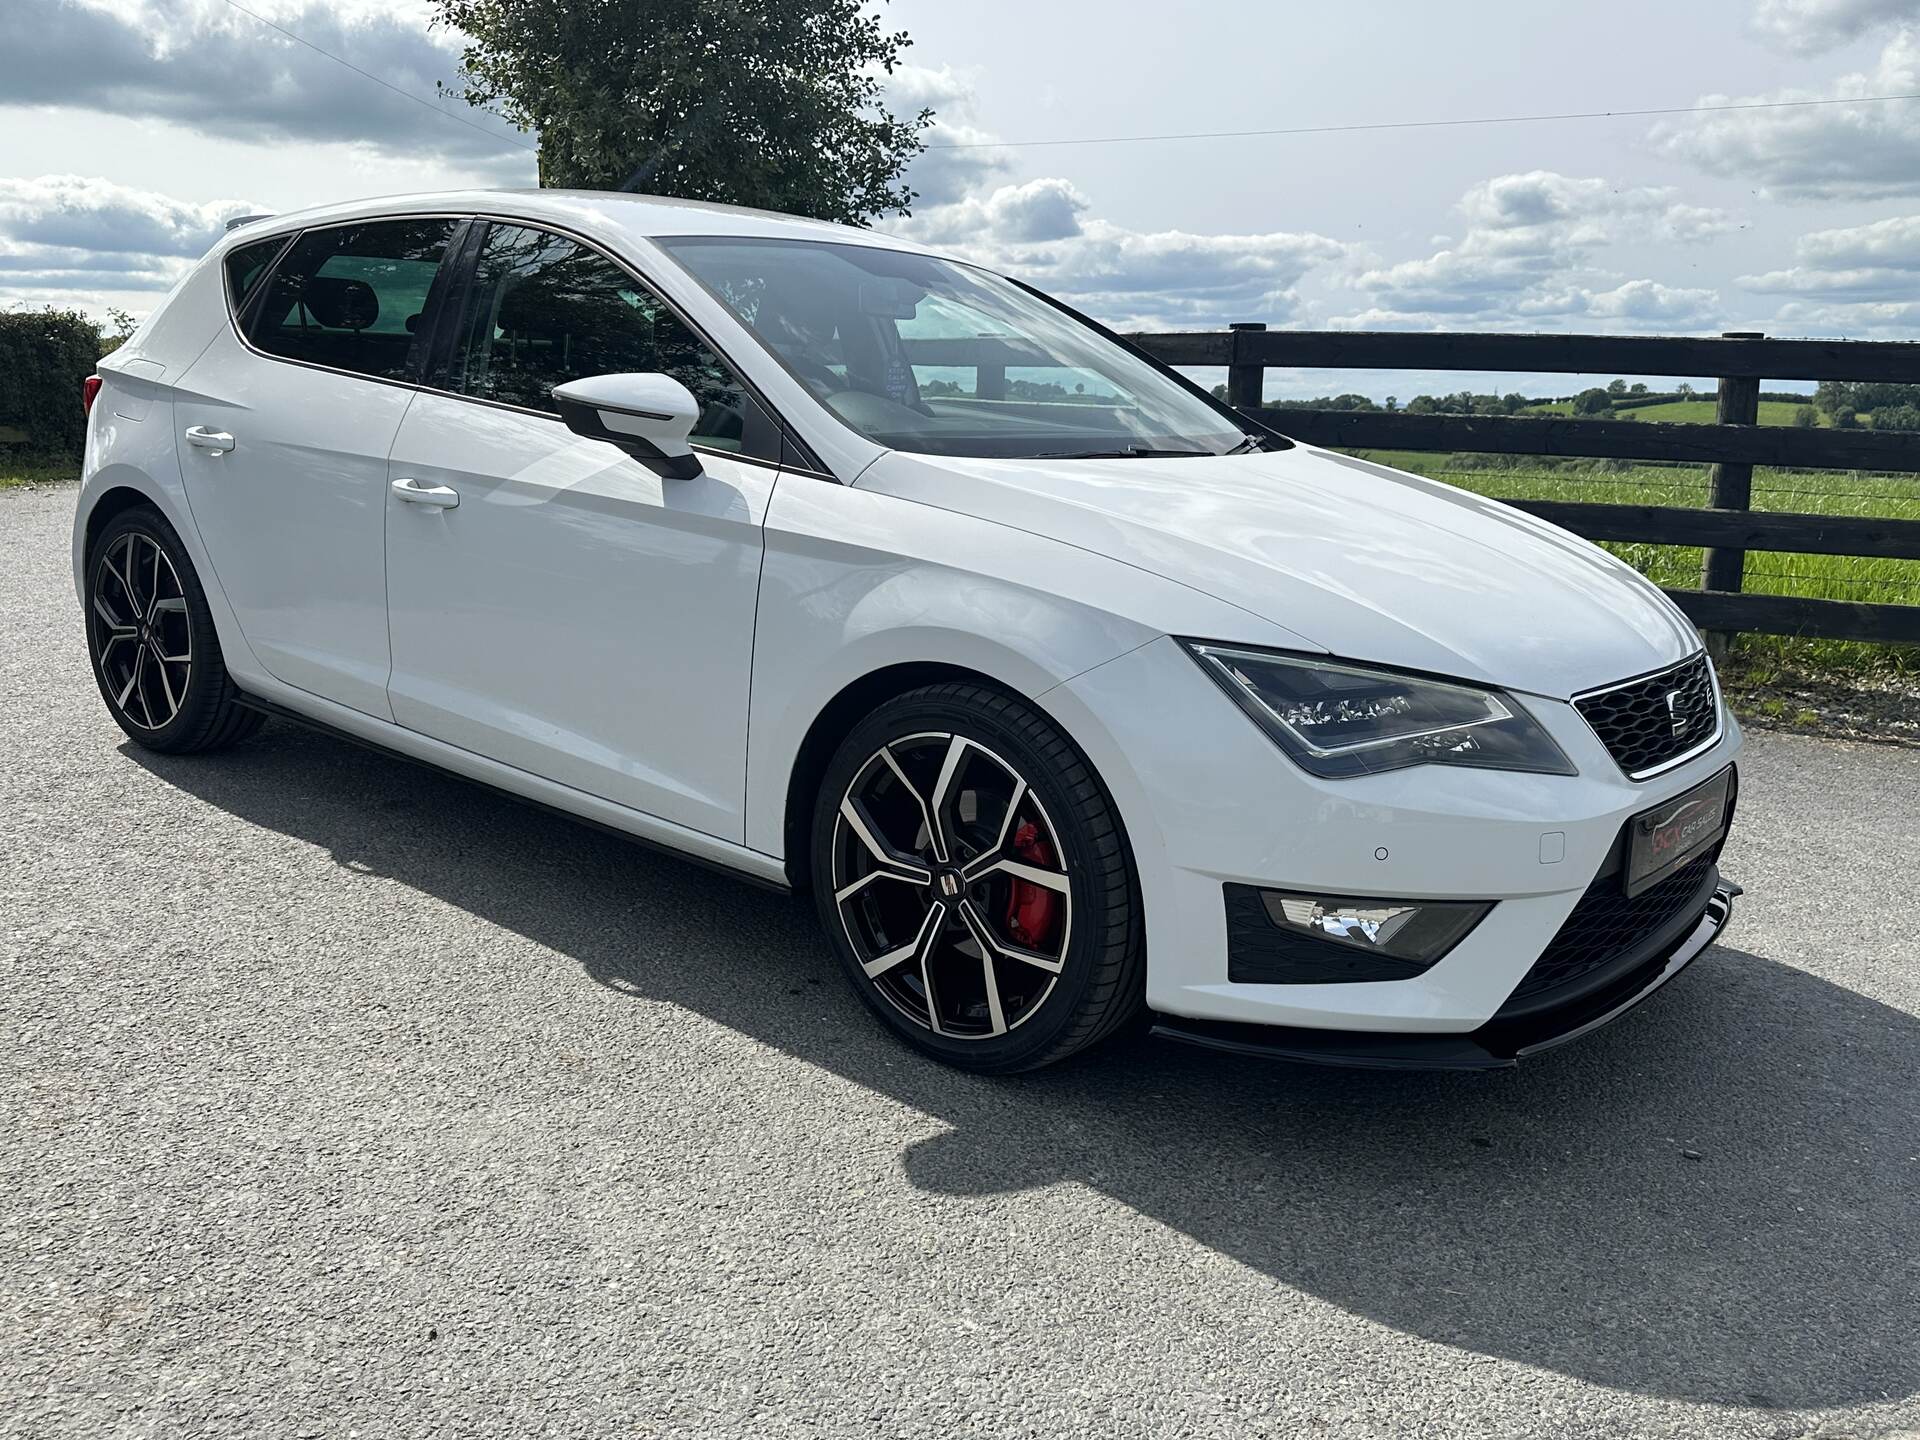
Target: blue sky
x: 132, y: 128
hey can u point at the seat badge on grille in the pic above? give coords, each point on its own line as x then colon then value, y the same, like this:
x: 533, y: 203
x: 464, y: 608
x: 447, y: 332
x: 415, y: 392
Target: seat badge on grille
x: 1680, y: 722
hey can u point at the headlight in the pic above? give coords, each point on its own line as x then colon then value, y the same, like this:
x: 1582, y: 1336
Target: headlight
x: 1339, y: 720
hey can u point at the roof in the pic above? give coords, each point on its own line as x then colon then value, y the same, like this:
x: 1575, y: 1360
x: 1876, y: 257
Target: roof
x: 611, y: 213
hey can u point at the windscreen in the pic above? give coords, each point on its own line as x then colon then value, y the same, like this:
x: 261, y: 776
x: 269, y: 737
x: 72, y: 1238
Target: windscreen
x: 924, y: 355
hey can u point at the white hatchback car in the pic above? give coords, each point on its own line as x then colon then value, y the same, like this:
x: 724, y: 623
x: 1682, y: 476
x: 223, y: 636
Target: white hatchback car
x: 1072, y: 695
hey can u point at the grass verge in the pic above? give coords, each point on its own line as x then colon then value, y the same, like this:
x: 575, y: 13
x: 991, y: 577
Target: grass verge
x: 36, y: 472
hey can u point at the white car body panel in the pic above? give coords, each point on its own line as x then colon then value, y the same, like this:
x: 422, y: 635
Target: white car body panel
x: 576, y: 616
x: 1360, y: 560
x: 521, y: 652
x: 295, y: 513
x: 857, y: 582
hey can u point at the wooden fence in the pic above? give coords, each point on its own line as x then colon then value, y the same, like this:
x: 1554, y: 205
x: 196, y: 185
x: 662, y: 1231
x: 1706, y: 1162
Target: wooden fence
x: 1727, y: 527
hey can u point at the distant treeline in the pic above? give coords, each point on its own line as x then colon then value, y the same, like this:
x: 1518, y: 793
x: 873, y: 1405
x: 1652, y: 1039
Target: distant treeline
x: 1842, y: 404
x: 1847, y: 403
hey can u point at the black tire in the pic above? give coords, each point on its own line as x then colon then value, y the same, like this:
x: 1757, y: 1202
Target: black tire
x: 145, y: 601
x: 1063, y: 815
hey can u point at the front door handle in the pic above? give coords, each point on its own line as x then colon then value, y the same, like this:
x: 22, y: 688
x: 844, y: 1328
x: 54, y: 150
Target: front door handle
x: 414, y: 493
x: 216, y: 441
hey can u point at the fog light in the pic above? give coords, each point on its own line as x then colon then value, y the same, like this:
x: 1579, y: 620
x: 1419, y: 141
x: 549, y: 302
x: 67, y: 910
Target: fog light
x: 1419, y: 930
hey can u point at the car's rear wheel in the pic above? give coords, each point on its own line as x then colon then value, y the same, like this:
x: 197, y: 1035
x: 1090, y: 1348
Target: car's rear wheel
x: 155, y: 654
x: 974, y: 877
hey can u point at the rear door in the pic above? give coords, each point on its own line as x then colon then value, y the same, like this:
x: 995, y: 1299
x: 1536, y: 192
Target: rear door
x: 283, y: 441
x: 571, y: 613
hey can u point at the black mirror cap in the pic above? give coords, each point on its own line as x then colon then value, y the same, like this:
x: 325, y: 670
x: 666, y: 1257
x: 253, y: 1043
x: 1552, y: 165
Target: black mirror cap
x: 585, y: 420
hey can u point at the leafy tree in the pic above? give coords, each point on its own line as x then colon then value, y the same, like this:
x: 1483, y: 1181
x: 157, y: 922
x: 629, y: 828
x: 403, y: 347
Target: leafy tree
x: 1593, y: 402
x: 773, y: 103
x: 1616, y: 388
x: 1805, y: 417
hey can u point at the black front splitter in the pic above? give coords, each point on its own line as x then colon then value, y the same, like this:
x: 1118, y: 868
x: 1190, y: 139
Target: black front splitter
x: 1496, y: 1045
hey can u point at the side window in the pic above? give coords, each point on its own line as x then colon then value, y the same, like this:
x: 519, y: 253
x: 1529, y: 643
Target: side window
x: 543, y: 309
x: 352, y: 296
x: 246, y: 265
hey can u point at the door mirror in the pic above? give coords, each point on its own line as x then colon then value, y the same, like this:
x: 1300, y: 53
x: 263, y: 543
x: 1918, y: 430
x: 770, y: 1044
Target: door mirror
x: 648, y: 416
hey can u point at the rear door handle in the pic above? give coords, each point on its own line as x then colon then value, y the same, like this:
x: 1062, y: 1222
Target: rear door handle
x: 217, y: 441
x: 414, y: 493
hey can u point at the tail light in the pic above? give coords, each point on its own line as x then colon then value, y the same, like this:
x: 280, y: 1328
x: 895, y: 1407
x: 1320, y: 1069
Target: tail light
x: 89, y: 392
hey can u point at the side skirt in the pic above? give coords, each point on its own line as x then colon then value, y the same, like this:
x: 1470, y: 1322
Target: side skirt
x: 662, y: 835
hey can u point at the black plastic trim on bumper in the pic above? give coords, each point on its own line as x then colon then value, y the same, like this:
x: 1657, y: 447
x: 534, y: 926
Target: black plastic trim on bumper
x: 1496, y: 1045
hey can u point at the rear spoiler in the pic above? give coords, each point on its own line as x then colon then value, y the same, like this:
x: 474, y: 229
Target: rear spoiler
x: 239, y: 220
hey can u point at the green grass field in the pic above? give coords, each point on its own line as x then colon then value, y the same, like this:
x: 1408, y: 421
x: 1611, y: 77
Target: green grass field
x: 1821, y: 577
x: 1685, y: 412
x: 1701, y: 412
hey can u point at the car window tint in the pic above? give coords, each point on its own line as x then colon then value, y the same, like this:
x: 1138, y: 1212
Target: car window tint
x: 352, y: 296
x: 246, y: 265
x: 543, y: 309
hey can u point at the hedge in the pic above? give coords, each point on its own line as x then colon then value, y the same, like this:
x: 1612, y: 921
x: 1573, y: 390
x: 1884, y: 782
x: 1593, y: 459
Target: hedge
x: 44, y: 357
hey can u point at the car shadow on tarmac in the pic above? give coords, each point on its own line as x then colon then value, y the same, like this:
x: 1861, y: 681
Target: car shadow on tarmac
x: 1711, y: 1200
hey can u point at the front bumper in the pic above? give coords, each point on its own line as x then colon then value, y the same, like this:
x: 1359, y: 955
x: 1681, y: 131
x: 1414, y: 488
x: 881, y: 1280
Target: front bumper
x: 1502, y: 1042
x: 1210, y: 805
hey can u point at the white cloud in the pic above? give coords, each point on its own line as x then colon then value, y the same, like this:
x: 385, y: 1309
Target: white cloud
x: 1525, y: 257
x: 1529, y: 253
x: 222, y: 73
x: 1039, y: 210
x: 1807, y: 27
x: 1043, y: 230
x: 1875, y: 320
x: 69, y: 232
x: 1139, y: 280
x: 942, y: 175
x: 1877, y: 261
x: 1861, y: 151
x: 1647, y: 303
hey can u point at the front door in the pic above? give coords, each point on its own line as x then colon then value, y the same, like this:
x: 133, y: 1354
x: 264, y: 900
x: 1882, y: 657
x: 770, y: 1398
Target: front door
x: 553, y: 604
x: 283, y: 447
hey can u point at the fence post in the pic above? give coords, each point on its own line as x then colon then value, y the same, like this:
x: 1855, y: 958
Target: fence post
x: 1245, y: 381
x: 1730, y: 487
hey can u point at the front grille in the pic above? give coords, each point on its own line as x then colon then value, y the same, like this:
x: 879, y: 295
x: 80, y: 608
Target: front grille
x: 1607, y: 925
x: 1652, y: 722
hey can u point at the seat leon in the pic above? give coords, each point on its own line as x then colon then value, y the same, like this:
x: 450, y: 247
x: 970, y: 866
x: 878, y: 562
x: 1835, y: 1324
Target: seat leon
x: 1075, y: 699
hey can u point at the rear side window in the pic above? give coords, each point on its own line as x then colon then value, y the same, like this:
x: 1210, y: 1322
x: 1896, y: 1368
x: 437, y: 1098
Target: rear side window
x: 246, y: 265
x: 352, y: 296
x: 543, y: 309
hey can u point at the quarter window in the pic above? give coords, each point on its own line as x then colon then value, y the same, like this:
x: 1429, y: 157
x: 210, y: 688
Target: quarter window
x: 246, y: 265
x: 543, y: 309
x: 352, y: 296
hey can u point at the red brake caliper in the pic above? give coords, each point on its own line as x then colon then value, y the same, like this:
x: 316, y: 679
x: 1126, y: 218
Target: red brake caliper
x: 1031, y: 907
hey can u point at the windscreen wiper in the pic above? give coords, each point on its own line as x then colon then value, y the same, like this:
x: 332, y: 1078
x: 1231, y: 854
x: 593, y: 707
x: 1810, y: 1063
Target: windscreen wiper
x: 1124, y: 452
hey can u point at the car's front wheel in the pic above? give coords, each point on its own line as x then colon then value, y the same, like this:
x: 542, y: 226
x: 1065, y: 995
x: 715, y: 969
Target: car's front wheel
x: 155, y: 654
x: 975, y: 879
